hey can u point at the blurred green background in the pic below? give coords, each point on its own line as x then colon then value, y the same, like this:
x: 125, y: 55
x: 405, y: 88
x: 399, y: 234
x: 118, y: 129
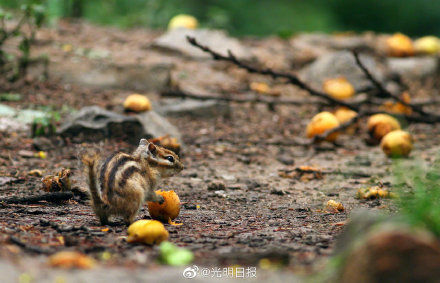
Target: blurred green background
x: 256, y: 17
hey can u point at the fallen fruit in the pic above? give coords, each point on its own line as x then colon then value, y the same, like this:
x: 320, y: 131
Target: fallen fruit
x: 147, y: 231
x: 172, y: 255
x: 427, y: 45
x: 381, y: 124
x: 183, y: 21
x: 334, y: 206
x: 397, y: 144
x: 169, y: 209
x: 344, y: 115
x: 339, y: 88
x: 137, y: 103
x: 260, y: 87
x: 57, y: 183
x: 399, y: 45
x: 374, y: 193
x: 397, y: 107
x: 321, y: 123
x: 70, y: 259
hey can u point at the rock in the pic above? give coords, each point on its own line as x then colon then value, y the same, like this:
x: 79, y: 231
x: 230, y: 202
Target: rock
x: 414, y: 67
x: 276, y: 191
x: 175, y: 41
x: 341, y: 42
x: 6, y: 180
x: 339, y: 64
x: 195, y: 108
x: 103, y: 75
x: 27, y: 116
x: 8, y: 124
x: 216, y: 185
x: 7, y: 111
x: 94, y: 123
x: 240, y: 187
x: 285, y: 160
x: 156, y: 126
x: 393, y: 255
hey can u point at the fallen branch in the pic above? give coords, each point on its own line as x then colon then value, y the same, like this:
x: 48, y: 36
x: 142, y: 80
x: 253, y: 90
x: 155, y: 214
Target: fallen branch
x: 243, y: 98
x: 49, y: 197
x: 30, y: 248
x: 386, y: 93
x: 291, y: 78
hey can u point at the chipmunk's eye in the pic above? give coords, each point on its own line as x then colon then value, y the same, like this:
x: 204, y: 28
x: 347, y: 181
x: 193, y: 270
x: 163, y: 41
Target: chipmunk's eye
x: 170, y: 158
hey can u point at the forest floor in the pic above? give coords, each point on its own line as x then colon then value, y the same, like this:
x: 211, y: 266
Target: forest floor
x: 252, y: 214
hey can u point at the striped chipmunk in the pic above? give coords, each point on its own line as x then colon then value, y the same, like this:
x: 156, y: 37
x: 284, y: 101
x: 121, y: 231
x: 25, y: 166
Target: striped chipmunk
x: 121, y: 183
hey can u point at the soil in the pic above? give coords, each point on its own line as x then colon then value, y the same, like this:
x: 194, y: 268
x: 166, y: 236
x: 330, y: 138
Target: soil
x: 250, y: 213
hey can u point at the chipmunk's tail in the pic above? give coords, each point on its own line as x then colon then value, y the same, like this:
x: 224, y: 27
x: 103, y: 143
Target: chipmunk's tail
x: 90, y: 158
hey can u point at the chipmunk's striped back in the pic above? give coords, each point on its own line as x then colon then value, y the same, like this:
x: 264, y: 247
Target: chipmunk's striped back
x: 114, y: 172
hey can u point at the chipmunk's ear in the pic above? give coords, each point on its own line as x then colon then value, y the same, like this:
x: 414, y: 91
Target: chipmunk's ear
x: 143, y: 142
x: 152, y: 149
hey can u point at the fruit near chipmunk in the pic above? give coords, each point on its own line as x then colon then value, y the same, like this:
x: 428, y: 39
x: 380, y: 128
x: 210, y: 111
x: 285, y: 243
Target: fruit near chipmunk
x: 339, y: 88
x: 399, y: 45
x: 427, y: 45
x: 149, y: 232
x: 137, y: 103
x: 381, y: 124
x: 168, y: 210
x: 397, y: 144
x: 321, y: 123
x: 183, y: 21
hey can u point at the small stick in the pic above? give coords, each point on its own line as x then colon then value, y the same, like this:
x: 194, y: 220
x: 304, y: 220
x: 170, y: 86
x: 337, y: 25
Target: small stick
x: 49, y: 197
x: 26, y: 246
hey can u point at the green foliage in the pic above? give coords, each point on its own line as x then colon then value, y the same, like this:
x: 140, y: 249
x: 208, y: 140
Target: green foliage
x: 45, y: 126
x: 419, y: 197
x: 13, y: 65
x: 10, y: 97
x: 250, y: 17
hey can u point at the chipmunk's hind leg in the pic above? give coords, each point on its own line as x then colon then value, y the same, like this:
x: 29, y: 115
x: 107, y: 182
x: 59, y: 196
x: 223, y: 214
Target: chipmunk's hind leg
x: 102, y: 215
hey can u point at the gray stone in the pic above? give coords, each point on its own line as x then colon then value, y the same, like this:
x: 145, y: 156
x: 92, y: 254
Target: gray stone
x: 8, y: 124
x: 414, y: 67
x: 7, y: 111
x: 175, y: 41
x: 340, y: 64
x: 155, y: 125
x: 94, y: 123
x: 332, y: 42
x: 195, y: 108
x: 28, y: 116
x: 102, y: 75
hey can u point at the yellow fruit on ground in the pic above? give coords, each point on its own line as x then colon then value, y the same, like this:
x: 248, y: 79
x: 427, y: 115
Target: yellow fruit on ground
x: 344, y: 115
x: 335, y: 206
x: 183, y: 21
x: 397, y: 144
x: 427, y: 45
x: 147, y: 231
x: 399, y: 45
x: 71, y: 259
x: 169, y: 209
x: 339, y: 88
x: 381, y: 124
x: 137, y: 103
x: 321, y: 123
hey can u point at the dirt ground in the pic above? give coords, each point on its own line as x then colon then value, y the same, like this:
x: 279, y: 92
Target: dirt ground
x: 256, y: 214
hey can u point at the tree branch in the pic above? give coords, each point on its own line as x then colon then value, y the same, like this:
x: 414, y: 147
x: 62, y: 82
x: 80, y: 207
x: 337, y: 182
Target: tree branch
x: 269, y: 72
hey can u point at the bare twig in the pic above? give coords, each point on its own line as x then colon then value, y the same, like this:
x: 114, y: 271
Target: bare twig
x: 50, y: 197
x: 386, y: 93
x: 242, y: 98
x: 269, y: 72
x: 28, y: 247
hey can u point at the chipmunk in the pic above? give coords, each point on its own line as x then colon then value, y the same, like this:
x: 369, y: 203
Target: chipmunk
x: 121, y: 183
